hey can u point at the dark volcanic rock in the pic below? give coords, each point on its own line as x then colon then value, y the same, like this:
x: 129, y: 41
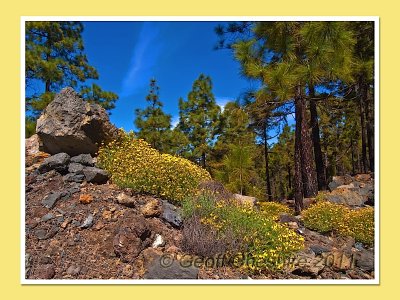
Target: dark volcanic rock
x: 50, y: 200
x: 160, y: 268
x: 83, y: 159
x: 75, y: 168
x: 95, y: 175
x: 73, y: 177
x: 71, y: 125
x: 132, y: 237
x: 171, y: 214
x: 58, y: 162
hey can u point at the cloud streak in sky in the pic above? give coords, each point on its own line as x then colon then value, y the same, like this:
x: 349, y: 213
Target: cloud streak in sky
x: 144, y: 58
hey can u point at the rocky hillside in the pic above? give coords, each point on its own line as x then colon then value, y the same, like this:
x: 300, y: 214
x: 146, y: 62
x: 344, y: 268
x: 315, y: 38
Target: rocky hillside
x: 79, y: 225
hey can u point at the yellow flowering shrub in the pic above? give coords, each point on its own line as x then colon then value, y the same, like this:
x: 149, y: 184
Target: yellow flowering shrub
x: 273, y: 209
x: 325, y: 216
x: 133, y: 163
x: 266, y: 243
x: 359, y: 224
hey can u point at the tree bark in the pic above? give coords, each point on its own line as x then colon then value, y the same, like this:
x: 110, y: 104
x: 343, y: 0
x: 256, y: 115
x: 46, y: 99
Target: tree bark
x: 369, y: 107
x: 309, y: 176
x: 203, y: 160
x: 267, y: 177
x: 362, y: 91
x: 319, y: 163
x: 298, y: 179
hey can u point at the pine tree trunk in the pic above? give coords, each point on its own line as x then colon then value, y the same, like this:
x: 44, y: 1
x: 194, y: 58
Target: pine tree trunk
x: 319, y: 163
x: 47, y: 86
x: 298, y: 179
x: 363, y: 129
x: 267, y: 177
x: 309, y: 175
x: 203, y: 160
x: 370, y: 131
x: 289, y: 176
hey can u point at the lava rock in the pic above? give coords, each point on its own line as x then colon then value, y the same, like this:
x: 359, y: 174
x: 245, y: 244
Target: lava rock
x: 58, y: 162
x: 75, y: 168
x: 151, y: 209
x: 50, y: 200
x: 365, y: 260
x: 73, y: 177
x: 171, y: 214
x: 133, y: 236
x: 74, y: 126
x: 88, y: 222
x: 83, y: 159
x: 95, y: 175
x: 159, y: 269
x: 126, y: 200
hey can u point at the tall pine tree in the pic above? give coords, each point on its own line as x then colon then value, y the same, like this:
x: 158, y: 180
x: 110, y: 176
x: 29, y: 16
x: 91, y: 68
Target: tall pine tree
x: 198, y: 118
x: 153, y: 124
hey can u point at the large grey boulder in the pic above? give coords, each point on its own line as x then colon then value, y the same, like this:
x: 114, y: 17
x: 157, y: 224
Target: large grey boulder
x: 72, y: 125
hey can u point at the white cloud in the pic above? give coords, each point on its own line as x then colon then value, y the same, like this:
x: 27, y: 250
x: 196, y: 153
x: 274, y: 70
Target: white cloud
x: 144, y: 58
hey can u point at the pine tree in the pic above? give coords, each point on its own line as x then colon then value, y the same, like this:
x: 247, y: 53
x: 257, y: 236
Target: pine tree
x: 54, y: 53
x: 198, y: 118
x: 55, y: 58
x: 95, y: 94
x: 152, y: 123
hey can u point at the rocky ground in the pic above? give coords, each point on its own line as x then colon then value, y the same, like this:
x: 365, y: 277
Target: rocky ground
x: 78, y: 226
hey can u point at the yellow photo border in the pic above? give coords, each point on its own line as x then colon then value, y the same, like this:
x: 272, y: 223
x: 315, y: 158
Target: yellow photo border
x: 11, y: 13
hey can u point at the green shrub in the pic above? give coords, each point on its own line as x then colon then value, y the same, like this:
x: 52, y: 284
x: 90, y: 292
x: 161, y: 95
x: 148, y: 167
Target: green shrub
x: 265, y: 243
x: 132, y: 163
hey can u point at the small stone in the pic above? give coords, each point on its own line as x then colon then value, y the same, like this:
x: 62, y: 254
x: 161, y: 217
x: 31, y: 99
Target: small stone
x: 171, y: 214
x: 158, y: 241
x: 106, y: 214
x: 47, y: 217
x: 50, y: 200
x: 126, y: 200
x: 43, y: 234
x: 318, y: 249
x: 73, y: 270
x: 85, y: 198
x: 293, y: 225
x: 65, y: 223
x: 151, y: 209
x: 76, y: 223
x: 88, y: 222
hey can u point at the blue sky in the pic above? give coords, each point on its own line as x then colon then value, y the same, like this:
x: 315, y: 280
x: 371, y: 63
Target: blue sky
x: 128, y: 54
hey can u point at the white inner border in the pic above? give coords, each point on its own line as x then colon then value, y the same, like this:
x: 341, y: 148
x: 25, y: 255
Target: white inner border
x: 375, y: 281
